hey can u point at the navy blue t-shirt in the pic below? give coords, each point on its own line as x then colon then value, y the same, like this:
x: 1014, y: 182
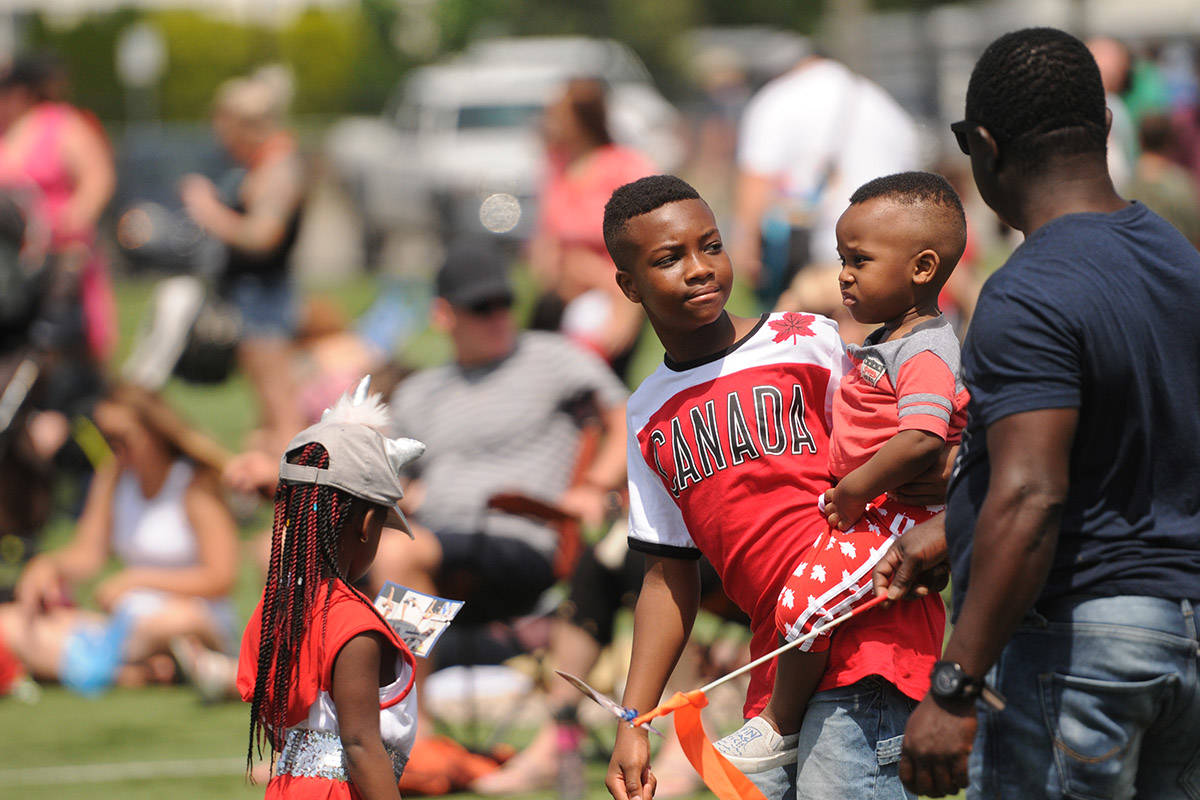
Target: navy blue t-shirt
x: 1099, y: 312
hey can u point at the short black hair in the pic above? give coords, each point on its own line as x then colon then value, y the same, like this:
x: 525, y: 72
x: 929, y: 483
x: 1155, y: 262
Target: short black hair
x: 634, y: 199
x: 944, y: 218
x: 1038, y: 92
x: 910, y: 188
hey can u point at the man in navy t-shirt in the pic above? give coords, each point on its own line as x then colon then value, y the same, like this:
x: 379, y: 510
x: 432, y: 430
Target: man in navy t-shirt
x: 1073, y: 525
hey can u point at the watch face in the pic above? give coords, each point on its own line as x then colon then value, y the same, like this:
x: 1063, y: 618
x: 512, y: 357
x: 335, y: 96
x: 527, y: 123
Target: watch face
x: 946, y: 680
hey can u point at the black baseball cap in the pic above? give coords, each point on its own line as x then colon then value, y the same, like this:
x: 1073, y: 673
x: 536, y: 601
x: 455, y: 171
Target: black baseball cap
x: 473, y: 273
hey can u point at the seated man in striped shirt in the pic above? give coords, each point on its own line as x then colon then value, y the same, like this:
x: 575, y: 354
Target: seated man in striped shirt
x: 501, y: 417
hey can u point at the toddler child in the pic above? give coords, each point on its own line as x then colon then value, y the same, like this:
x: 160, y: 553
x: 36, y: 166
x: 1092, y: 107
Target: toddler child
x: 893, y: 413
x: 328, y: 680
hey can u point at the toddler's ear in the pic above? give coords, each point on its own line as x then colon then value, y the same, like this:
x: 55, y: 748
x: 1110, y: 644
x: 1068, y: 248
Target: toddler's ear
x: 925, y: 266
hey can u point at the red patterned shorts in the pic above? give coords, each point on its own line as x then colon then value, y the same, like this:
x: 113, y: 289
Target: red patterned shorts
x: 834, y: 575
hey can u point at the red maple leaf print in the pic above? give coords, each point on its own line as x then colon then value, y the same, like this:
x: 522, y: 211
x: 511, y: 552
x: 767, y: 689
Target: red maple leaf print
x: 792, y: 325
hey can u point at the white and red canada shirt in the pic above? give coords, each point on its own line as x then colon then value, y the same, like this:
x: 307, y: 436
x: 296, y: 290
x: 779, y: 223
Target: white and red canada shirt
x: 727, y: 456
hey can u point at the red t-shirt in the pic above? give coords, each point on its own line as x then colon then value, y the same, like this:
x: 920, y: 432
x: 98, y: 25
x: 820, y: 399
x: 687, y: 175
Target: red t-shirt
x: 727, y: 457
x: 573, y: 197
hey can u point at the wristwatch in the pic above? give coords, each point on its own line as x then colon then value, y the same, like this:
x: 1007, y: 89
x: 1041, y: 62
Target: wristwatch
x: 948, y: 681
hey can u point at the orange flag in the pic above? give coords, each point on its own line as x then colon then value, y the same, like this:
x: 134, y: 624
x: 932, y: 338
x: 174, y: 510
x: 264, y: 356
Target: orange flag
x: 723, y: 778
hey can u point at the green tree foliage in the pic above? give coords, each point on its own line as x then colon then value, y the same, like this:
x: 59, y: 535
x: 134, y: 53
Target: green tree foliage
x: 377, y: 65
x: 202, y: 53
x: 909, y: 5
x: 87, y: 49
x: 342, y: 58
x: 320, y: 47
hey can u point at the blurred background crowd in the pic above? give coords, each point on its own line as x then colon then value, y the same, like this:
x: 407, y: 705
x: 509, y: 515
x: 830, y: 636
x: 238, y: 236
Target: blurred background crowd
x: 216, y: 215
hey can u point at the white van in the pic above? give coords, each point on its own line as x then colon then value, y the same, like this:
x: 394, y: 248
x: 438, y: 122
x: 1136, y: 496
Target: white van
x: 458, y: 150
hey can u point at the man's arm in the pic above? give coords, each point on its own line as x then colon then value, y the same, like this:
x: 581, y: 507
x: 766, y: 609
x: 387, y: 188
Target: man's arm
x: 587, y: 500
x: 1014, y: 542
x: 754, y: 193
x: 662, y: 622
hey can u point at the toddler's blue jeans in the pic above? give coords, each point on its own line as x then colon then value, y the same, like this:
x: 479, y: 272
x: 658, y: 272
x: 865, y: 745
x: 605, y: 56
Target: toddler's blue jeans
x: 849, y: 747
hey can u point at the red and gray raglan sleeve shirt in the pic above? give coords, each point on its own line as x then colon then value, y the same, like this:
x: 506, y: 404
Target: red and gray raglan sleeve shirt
x: 910, y: 383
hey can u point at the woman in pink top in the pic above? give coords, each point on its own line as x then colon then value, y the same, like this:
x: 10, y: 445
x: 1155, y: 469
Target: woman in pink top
x: 568, y: 256
x: 60, y: 165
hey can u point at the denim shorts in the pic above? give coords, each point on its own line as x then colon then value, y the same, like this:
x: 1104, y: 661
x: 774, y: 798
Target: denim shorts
x: 1103, y: 703
x: 267, y: 307
x: 849, y: 746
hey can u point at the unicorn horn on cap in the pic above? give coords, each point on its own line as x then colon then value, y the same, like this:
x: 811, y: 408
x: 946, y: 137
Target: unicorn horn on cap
x: 360, y: 408
x: 401, y: 452
x: 363, y: 408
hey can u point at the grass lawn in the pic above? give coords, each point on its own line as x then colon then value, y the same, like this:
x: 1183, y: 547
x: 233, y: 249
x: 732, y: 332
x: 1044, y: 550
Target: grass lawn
x: 138, y: 743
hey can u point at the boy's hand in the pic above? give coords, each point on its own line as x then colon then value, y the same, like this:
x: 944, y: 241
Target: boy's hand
x: 629, y: 776
x: 843, y: 506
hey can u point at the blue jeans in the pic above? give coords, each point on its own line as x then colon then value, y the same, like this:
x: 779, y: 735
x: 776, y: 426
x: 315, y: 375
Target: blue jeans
x: 849, y: 746
x: 268, y: 307
x: 1103, y: 704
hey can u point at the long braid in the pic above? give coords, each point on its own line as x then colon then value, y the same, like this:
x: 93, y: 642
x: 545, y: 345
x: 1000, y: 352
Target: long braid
x: 304, y: 555
x: 329, y: 526
x: 257, y: 734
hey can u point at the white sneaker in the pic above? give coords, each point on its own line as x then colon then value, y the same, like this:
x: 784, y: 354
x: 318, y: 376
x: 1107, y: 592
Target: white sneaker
x: 756, y: 747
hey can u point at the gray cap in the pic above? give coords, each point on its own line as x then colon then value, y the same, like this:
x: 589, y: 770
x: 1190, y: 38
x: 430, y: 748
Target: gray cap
x: 362, y: 461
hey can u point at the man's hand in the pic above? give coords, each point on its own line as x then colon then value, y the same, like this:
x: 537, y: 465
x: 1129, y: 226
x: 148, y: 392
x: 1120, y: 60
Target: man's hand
x: 937, y: 742
x: 915, y: 564
x: 629, y: 776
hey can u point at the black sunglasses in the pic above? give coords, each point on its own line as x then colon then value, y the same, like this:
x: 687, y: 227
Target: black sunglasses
x: 485, y: 308
x: 960, y: 130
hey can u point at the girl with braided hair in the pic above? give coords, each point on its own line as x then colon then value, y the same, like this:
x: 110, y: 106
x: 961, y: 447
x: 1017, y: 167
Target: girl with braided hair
x: 328, y: 681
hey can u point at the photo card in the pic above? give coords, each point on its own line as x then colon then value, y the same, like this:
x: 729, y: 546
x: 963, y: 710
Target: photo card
x: 417, y: 618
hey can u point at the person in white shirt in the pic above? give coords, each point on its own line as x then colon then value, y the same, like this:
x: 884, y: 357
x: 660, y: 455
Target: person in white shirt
x: 807, y: 140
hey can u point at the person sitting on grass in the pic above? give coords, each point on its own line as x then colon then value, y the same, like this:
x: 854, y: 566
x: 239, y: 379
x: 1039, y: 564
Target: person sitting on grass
x: 727, y: 454
x: 157, y: 506
x: 328, y: 681
x: 893, y: 414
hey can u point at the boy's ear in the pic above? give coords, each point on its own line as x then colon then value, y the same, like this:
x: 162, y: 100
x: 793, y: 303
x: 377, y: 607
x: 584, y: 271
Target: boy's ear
x: 625, y: 282
x: 925, y: 266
